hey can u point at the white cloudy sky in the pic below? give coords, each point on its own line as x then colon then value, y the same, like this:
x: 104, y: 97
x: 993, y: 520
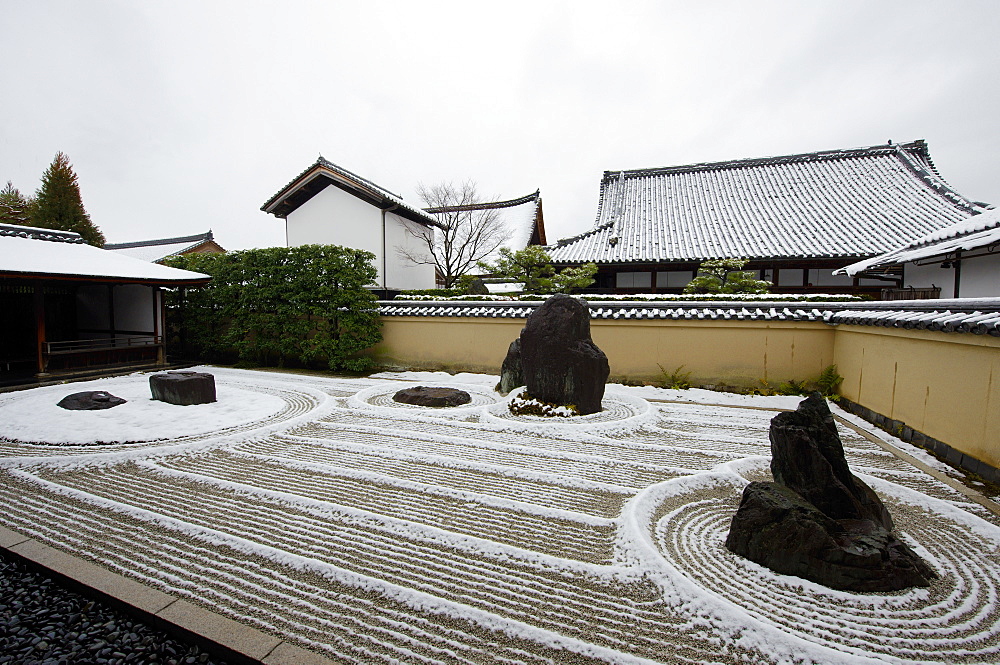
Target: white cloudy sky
x: 180, y: 116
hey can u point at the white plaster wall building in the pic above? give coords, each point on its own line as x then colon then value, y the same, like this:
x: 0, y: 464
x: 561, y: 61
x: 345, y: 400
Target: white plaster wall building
x: 328, y: 205
x: 959, y: 261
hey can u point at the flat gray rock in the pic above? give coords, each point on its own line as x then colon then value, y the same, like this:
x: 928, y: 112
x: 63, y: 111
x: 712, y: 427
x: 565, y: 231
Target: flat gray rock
x: 91, y: 400
x: 426, y: 396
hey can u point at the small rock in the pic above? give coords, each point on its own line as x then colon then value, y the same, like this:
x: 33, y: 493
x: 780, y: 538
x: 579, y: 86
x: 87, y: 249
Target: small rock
x: 425, y: 396
x: 91, y: 400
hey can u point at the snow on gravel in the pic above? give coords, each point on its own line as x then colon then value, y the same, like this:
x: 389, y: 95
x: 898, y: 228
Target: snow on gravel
x: 320, y: 510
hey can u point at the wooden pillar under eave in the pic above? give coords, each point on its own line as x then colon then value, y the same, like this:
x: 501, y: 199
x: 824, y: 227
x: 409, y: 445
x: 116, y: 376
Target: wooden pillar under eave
x: 160, y: 325
x: 39, y: 298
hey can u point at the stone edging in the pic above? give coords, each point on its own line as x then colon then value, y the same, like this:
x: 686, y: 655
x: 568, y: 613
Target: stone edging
x: 229, y: 639
x: 940, y: 448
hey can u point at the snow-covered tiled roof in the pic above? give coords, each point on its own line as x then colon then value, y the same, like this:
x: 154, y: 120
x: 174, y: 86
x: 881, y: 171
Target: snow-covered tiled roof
x: 980, y: 233
x: 832, y: 204
x: 979, y: 316
x: 27, y: 256
x: 38, y: 233
x: 157, y: 250
x: 521, y: 217
x: 323, y: 173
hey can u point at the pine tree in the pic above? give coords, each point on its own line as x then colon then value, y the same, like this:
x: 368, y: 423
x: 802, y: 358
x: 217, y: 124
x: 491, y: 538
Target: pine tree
x: 58, y: 204
x: 14, y: 207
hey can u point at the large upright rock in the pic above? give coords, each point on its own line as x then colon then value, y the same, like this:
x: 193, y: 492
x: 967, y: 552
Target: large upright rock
x: 817, y: 520
x: 559, y: 360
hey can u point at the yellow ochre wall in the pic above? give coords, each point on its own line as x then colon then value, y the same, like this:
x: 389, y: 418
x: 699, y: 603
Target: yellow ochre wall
x: 945, y: 385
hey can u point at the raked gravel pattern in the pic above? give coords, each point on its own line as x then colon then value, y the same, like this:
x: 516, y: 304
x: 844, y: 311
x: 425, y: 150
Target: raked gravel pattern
x: 376, y: 532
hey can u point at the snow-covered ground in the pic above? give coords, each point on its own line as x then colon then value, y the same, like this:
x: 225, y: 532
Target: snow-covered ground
x: 372, y: 531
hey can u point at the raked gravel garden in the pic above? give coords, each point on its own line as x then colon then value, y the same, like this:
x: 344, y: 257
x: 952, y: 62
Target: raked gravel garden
x: 320, y: 510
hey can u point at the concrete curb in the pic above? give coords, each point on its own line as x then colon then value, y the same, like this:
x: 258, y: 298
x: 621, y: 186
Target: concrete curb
x: 225, y: 637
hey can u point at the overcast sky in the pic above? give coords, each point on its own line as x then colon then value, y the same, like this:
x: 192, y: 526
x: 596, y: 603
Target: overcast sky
x: 183, y: 116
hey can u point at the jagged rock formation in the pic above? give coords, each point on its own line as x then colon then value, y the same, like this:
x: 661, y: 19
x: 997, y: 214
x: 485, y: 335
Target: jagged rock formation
x: 817, y: 520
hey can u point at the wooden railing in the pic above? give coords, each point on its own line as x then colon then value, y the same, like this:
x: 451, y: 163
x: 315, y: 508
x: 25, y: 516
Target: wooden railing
x: 79, y: 353
x: 911, y: 293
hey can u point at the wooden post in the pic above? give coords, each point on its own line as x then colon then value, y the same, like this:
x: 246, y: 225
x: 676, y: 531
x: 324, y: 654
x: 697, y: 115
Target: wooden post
x: 160, y: 325
x: 39, y: 298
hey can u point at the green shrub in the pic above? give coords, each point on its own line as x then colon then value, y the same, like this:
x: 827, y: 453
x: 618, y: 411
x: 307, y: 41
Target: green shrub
x: 726, y: 276
x: 677, y: 379
x: 826, y: 384
x: 304, y: 304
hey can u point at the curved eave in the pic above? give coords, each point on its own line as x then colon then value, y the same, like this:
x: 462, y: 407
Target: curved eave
x: 104, y: 279
x: 319, y: 177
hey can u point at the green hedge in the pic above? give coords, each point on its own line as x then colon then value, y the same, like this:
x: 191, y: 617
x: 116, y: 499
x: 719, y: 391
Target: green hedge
x: 304, y: 305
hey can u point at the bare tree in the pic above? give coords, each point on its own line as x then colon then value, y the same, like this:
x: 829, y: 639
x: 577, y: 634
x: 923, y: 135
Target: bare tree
x: 469, y: 231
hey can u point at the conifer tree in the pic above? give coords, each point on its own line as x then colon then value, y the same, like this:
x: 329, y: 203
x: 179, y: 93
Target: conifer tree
x: 14, y: 207
x: 58, y: 204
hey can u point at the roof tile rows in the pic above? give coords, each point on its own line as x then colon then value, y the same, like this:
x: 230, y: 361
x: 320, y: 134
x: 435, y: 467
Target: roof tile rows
x: 982, y: 319
x: 833, y: 204
x: 520, y: 218
x: 38, y: 233
x: 980, y: 233
x: 157, y: 250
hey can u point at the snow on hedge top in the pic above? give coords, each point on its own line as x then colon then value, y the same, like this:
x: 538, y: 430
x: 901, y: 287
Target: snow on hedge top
x: 28, y: 256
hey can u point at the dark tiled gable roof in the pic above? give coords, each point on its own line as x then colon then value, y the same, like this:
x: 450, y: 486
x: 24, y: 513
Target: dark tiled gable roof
x: 494, y: 205
x: 521, y: 224
x: 833, y: 204
x: 185, y: 240
x: 323, y: 173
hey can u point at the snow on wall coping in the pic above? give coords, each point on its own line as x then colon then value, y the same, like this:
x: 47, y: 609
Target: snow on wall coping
x: 980, y: 316
x: 38, y: 257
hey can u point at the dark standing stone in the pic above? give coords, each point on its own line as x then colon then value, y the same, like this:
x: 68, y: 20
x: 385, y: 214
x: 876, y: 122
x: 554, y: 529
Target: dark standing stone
x: 93, y: 400
x: 559, y: 360
x: 424, y: 396
x: 511, y: 375
x: 816, y: 520
x: 183, y: 388
x: 808, y: 458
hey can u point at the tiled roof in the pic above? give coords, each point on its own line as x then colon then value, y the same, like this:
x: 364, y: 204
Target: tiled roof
x: 323, y: 173
x: 832, y: 204
x: 37, y: 233
x: 976, y: 235
x: 157, y: 250
x: 520, y: 216
x: 978, y: 316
